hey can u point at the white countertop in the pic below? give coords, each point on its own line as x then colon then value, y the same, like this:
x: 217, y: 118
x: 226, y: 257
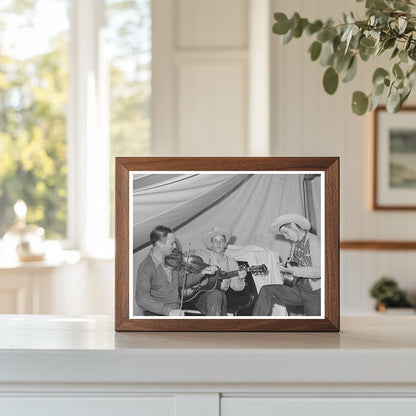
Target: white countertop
x: 53, y: 349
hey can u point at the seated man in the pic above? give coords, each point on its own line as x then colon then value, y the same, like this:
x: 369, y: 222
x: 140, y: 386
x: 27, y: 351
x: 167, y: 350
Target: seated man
x: 214, y: 302
x: 157, y: 288
x: 303, y: 265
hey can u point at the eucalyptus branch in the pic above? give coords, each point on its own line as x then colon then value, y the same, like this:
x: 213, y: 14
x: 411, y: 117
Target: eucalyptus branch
x: 389, y: 25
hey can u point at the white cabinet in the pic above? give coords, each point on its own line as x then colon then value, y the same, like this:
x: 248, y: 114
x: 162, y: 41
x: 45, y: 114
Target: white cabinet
x: 323, y: 406
x: 79, y: 366
x: 88, y: 406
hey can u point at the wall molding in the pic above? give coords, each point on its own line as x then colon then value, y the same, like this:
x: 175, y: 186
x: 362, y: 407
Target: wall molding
x: 377, y: 245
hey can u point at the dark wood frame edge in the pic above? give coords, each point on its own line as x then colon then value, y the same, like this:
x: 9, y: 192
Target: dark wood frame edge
x: 329, y: 165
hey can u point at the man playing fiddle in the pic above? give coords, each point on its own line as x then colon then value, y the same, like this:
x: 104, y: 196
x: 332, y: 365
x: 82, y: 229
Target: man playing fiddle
x: 157, y: 289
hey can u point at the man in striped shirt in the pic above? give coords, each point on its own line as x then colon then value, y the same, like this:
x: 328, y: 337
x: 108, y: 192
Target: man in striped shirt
x: 303, y: 266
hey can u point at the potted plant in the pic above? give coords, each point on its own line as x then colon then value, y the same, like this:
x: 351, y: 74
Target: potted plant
x: 387, y: 294
x: 389, y: 27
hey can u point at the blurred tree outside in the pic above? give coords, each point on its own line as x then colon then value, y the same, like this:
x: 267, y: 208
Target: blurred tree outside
x: 34, y: 67
x: 33, y: 99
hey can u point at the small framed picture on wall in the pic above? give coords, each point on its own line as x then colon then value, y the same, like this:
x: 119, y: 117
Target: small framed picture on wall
x: 394, y: 178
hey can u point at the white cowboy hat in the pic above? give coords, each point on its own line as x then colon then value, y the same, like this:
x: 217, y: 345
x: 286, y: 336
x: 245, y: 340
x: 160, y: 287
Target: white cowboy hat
x: 301, y: 221
x: 207, y: 238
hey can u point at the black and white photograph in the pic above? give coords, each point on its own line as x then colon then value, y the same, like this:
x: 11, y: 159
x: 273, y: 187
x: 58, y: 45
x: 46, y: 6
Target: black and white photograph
x: 226, y: 245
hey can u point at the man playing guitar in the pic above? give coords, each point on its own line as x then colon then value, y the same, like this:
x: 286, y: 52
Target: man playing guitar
x: 301, y: 272
x: 214, y: 302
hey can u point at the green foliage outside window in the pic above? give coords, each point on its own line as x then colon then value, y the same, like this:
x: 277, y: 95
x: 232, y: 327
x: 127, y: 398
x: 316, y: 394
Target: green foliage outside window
x: 33, y: 99
x: 34, y: 103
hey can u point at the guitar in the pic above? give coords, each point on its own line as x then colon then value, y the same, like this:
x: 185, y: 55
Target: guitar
x: 288, y: 278
x: 209, y: 283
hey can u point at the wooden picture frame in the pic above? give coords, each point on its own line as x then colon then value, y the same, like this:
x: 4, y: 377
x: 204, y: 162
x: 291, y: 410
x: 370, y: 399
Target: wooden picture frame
x: 394, y: 158
x: 133, y: 176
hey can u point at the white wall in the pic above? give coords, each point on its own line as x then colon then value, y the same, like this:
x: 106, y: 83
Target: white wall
x: 211, y: 65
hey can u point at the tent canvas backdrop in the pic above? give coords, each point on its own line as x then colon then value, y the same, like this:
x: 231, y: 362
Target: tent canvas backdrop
x: 192, y: 204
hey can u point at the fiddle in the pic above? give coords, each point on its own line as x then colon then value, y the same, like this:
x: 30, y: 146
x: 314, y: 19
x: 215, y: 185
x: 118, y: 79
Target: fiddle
x: 178, y: 260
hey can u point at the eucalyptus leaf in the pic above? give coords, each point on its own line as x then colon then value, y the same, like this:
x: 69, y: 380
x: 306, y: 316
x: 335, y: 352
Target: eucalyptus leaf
x: 412, y: 52
x: 403, y: 56
x: 315, y: 50
x: 389, y: 43
x: 359, y: 103
x: 355, y: 41
x: 402, y: 22
x: 341, y: 62
x: 397, y: 71
x: 376, y: 36
x: 314, y: 27
x: 400, y: 5
x: 327, y: 53
x: 393, y: 101
x: 395, y: 52
x: 412, y: 70
x: 281, y: 26
x: 374, y: 102
x: 366, y: 53
x: 367, y: 42
x: 404, y: 95
x: 330, y: 80
x: 411, y: 78
x: 294, y: 21
x: 353, y: 31
x: 378, y: 89
x: 379, y: 75
x: 346, y: 34
x: 350, y: 18
x: 351, y: 71
x: 322, y: 36
x: 288, y: 37
x: 408, y: 42
x: 376, y: 4
x: 298, y: 30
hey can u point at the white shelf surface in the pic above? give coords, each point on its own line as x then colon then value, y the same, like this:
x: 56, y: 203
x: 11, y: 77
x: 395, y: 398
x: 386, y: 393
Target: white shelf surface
x: 372, y: 350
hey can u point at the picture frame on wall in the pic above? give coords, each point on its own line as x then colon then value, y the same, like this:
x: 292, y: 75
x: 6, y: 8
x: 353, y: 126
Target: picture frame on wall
x: 394, y: 151
x: 227, y: 244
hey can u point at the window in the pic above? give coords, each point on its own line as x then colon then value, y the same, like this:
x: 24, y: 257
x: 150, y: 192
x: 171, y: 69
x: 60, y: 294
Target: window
x: 75, y: 87
x: 33, y: 97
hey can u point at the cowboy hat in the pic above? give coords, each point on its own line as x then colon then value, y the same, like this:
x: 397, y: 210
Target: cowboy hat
x: 301, y: 221
x: 207, y: 238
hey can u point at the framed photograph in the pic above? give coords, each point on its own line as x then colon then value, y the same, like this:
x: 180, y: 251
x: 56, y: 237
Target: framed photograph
x: 227, y: 244
x: 394, y: 180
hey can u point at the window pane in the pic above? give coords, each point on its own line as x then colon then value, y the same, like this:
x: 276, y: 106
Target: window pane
x: 34, y: 36
x: 129, y: 46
